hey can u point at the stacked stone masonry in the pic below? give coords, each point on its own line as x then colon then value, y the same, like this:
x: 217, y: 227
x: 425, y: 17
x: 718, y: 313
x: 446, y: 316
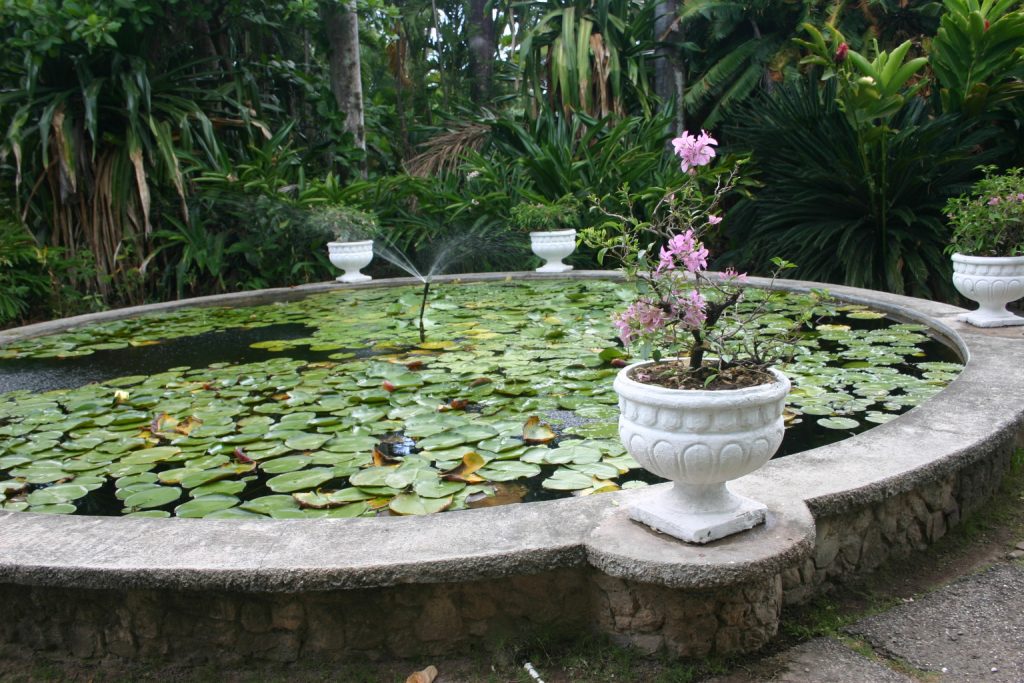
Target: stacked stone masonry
x: 402, y: 621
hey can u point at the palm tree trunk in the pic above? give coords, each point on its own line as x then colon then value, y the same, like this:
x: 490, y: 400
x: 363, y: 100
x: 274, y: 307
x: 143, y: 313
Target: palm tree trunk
x: 342, y: 24
x: 669, y: 78
x: 481, y: 49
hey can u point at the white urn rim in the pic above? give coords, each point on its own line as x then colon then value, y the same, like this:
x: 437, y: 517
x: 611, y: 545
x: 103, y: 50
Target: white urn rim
x: 571, y: 232
x: 981, y: 260
x: 358, y: 244
x: 629, y: 388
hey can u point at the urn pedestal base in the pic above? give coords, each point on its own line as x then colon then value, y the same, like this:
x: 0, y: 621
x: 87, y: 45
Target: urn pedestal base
x: 558, y: 267
x: 698, y: 514
x: 984, y: 318
x: 353, y: 277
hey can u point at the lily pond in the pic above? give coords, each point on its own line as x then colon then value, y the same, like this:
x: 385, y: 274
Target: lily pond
x: 330, y: 406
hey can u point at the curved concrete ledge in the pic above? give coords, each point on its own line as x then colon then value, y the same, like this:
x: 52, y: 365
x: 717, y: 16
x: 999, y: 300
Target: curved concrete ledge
x: 832, y: 511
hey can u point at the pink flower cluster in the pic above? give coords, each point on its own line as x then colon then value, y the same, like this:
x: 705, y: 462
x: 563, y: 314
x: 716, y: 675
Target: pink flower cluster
x: 995, y: 201
x: 640, y: 318
x: 683, y: 249
x: 694, y: 150
x: 691, y: 310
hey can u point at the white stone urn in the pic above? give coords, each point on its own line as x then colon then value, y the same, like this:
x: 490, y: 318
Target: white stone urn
x: 350, y: 257
x: 553, y: 246
x: 699, y: 440
x: 993, y: 282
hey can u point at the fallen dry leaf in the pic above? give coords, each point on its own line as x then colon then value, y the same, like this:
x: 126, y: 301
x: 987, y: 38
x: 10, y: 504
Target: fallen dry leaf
x: 426, y: 676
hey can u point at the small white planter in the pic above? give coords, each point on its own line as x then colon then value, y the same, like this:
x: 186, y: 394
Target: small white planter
x: 553, y: 247
x: 350, y: 257
x: 993, y: 282
x: 700, y: 439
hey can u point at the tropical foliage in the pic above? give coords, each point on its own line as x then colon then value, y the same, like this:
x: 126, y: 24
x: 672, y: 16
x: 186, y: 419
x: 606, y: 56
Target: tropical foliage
x: 171, y: 148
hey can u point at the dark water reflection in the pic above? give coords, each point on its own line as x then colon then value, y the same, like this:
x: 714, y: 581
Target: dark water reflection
x: 224, y: 346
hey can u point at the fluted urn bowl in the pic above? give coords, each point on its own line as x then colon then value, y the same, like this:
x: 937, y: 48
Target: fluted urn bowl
x: 993, y: 282
x: 553, y: 246
x: 350, y: 257
x: 699, y: 440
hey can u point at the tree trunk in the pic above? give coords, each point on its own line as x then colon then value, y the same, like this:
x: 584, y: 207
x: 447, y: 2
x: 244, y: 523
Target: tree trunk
x: 482, y: 47
x: 342, y: 26
x: 669, y: 78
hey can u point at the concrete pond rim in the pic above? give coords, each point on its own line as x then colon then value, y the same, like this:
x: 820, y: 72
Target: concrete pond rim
x: 974, y: 422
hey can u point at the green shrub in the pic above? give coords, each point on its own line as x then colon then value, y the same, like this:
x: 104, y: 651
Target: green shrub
x: 850, y: 210
x: 989, y: 220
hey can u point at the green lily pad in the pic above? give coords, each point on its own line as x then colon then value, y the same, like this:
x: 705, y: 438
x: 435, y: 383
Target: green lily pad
x: 508, y: 470
x: 838, y: 423
x: 567, y: 480
x: 301, y: 480
x: 150, y: 455
x: 412, y: 504
x: 205, y: 505
x: 152, y: 497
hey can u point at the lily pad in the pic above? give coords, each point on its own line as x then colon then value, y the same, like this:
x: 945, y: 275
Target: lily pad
x: 205, y: 505
x: 152, y: 497
x: 412, y: 504
x: 301, y: 480
x: 838, y: 423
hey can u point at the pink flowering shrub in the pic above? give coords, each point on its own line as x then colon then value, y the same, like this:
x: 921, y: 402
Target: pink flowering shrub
x: 681, y: 309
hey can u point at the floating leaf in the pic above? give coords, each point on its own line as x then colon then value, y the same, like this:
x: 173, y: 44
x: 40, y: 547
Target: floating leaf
x: 471, y: 462
x: 266, y: 505
x: 319, y: 501
x: 152, y: 497
x: 205, y: 505
x: 838, y: 423
x: 307, y: 442
x: 412, y: 504
x: 534, y: 432
x: 508, y: 470
x: 567, y: 480
x: 150, y: 455
x: 297, y: 481
x: 437, y: 489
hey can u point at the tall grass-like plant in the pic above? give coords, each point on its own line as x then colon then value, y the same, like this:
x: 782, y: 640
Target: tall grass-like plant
x: 590, y: 57
x: 94, y: 129
x: 851, y: 210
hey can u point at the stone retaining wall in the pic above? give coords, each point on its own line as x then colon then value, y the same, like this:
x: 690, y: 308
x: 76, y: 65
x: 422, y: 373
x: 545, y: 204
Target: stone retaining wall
x: 865, y: 537
x: 197, y: 627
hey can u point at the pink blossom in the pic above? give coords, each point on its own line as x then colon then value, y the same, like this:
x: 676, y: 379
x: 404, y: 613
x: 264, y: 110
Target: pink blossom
x: 684, y: 248
x: 694, y: 150
x: 714, y: 220
x: 640, y: 317
x: 690, y: 310
x: 994, y: 201
x: 696, y: 260
x: 730, y: 275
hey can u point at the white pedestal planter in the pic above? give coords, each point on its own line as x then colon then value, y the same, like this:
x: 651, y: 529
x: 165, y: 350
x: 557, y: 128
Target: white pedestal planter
x: 992, y: 281
x: 350, y: 257
x: 553, y: 247
x: 700, y: 439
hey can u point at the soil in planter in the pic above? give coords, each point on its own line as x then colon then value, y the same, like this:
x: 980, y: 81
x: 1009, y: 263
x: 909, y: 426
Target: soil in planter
x: 677, y: 374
